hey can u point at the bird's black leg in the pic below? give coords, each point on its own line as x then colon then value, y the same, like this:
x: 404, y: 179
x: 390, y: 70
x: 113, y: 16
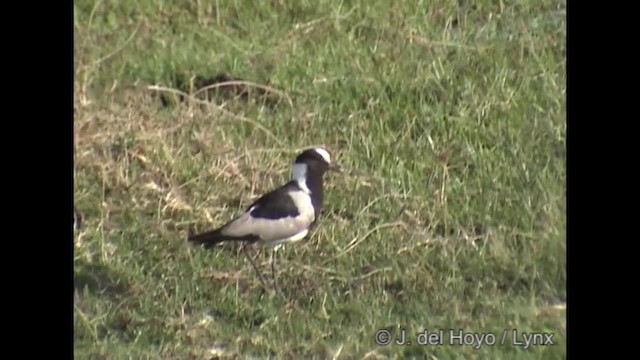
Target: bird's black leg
x: 264, y: 283
x: 273, y: 269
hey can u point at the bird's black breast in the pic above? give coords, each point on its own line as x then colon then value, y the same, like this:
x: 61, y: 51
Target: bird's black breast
x: 314, y: 183
x: 276, y: 204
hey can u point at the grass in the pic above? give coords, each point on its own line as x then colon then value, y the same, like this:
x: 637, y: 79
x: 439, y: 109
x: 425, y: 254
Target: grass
x: 449, y: 118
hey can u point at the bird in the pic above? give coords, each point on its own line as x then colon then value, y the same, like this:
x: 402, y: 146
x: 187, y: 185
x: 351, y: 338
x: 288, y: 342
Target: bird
x: 283, y: 215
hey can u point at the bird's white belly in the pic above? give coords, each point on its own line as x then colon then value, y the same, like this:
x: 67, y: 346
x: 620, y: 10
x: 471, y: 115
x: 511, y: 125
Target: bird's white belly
x: 297, y: 237
x: 276, y: 245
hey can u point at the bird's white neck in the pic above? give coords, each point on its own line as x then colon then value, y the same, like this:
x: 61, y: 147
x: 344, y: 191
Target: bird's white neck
x: 300, y: 176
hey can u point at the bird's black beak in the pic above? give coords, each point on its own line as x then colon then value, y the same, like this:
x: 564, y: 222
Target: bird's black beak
x: 335, y: 167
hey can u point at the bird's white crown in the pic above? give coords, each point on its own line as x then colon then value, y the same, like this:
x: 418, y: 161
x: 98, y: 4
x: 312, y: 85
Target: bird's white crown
x: 324, y: 153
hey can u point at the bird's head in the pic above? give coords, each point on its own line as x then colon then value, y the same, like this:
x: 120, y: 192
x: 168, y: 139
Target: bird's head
x: 315, y: 159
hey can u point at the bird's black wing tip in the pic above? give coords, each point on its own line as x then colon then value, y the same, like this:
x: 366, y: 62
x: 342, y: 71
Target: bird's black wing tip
x: 206, y: 239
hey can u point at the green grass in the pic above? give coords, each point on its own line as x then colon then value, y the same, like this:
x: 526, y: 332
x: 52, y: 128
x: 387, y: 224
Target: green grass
x: 449, y: 118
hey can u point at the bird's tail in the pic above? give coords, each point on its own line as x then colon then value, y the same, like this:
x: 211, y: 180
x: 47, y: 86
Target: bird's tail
x: 207, y: 239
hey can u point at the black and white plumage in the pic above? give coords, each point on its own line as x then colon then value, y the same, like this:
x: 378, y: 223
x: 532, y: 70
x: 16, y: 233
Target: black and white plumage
x: 283, y: 215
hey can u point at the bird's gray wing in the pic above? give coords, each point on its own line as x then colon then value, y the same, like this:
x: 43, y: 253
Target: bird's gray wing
x: 274, y: 229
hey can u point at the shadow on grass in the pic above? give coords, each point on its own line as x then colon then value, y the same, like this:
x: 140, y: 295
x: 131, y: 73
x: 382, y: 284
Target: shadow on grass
x: 99, y: 280
x: 220, y: 87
